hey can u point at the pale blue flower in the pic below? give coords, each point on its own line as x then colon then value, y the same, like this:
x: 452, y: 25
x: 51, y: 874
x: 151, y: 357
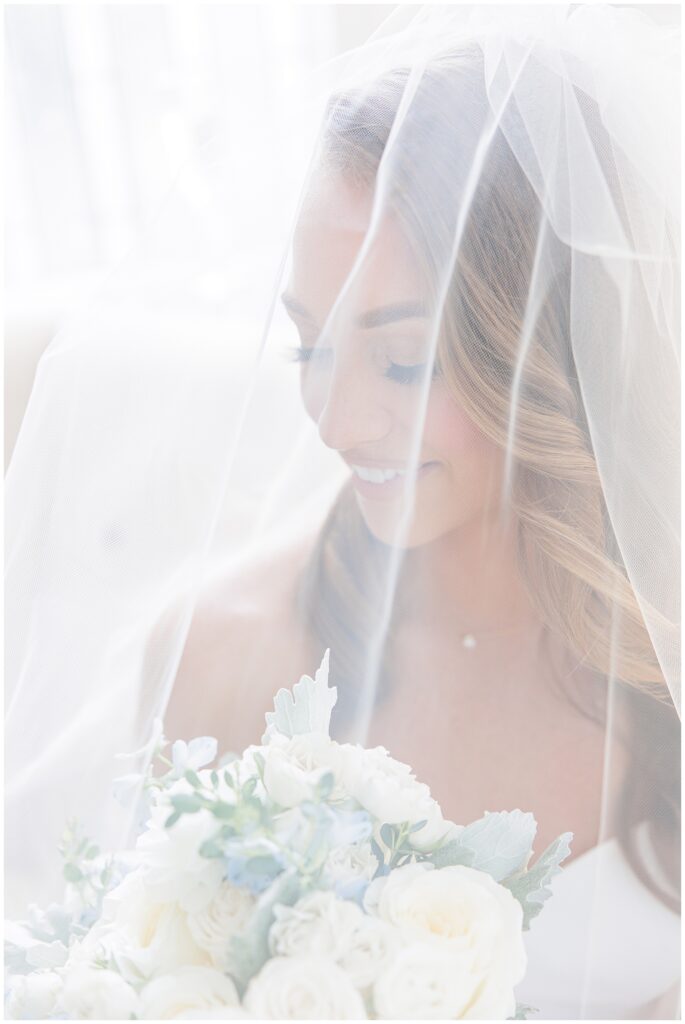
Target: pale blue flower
x: 194, y: 755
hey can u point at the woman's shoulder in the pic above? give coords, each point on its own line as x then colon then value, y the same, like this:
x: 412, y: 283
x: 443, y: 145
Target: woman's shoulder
x: 245, y: 641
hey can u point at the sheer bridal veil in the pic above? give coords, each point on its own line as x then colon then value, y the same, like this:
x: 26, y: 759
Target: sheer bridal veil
x: 473, y: 260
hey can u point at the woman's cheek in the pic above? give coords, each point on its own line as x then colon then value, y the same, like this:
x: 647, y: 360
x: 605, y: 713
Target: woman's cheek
x: 450, y: 435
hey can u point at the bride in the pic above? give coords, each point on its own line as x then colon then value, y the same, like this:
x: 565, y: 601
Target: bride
x: 470, y: 499
x: 514, y: 635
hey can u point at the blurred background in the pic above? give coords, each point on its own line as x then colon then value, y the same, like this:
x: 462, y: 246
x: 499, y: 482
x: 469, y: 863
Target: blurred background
x: 105, y: 103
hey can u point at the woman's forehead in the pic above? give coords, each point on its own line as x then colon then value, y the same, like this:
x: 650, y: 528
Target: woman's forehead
x: 340, y: 242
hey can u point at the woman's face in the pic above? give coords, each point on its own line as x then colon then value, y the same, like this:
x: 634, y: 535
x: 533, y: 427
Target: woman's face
x: 363, y: 377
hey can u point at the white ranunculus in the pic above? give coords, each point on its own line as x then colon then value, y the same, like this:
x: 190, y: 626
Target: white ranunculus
x: 146, y: 937
x: 424, y: 982
x: 189, y: 990
x: 303, y: 988
x: 293, y: 767
x: 475, y: 917
x: 321, y: 924
x: 227, y: 914
x: 390, y: 791
x: 33, y: 996
x: 95, y: 993
x: 348, y: 864
x: 318, y: 923
x: 173, y: 868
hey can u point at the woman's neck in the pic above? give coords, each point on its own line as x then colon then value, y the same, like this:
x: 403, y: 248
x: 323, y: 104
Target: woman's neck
x: 469, y: 576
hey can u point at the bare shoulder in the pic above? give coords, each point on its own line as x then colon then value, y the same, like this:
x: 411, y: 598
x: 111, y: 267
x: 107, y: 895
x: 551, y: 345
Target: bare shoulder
x: 246, y: 640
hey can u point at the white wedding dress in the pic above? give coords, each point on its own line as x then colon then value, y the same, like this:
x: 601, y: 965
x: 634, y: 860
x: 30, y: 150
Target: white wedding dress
x: 626, y: 942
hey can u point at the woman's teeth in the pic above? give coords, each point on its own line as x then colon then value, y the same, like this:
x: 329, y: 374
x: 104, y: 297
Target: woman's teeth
x: 374, y: 475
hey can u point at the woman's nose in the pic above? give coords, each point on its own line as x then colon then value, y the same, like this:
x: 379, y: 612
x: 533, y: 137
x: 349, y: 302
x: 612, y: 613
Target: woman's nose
x: 351, y: 414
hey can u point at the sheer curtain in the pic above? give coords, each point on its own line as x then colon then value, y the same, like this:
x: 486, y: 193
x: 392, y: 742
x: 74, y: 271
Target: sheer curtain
x: 106, y: 105
x: 106, y: 102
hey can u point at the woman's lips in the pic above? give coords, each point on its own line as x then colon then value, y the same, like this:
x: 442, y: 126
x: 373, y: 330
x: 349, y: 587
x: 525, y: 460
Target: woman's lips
x: 388, y: 489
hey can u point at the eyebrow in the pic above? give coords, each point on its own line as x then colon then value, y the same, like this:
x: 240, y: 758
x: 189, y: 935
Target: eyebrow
x: 371, y: 318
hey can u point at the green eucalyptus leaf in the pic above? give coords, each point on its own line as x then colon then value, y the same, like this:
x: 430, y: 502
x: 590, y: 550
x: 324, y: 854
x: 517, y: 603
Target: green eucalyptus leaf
x: 418, y: 826
x: 382, y: 868
x: 223, y: 811
x: 389, y: 835
x: 72, y: 873
x: 186, y: 803
x: 249, y: 788
x: 210, y: 849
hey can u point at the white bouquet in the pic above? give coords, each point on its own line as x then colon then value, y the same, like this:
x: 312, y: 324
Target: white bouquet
x: 305, y: 879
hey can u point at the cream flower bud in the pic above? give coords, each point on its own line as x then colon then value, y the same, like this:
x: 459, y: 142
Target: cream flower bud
x: 33, y: 996
x: 303, y: 988
x: 189, y: 990
x: 94, y: 993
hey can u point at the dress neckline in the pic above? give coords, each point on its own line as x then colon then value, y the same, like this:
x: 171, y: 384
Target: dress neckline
x: 586, y: 854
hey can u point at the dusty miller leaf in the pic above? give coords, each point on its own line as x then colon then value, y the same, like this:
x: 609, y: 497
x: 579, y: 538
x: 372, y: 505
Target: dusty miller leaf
x: 530, y: 887
x: 249, y: 950
x: 307, y: 708
x: 498, y: 843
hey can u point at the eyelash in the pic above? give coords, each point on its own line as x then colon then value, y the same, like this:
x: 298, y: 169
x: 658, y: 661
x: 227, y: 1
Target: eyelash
x: 395, y: 372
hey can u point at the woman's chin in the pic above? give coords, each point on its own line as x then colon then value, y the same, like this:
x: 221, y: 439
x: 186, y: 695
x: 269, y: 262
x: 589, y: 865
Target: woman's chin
x: 390, y: 526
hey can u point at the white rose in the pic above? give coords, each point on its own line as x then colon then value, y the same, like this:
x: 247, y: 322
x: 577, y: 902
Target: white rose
x: 227, y: 914
x: 173, y: 868
x: 478, y: 919
x: 94, y: 993
x: 187, y: 991
x: 145, y: 937
x: 294, y: 767
x: 424, y: 982
x: 390, y: 792
x: 33, y: 996
x: 318, y: 923
x: 303, y: 988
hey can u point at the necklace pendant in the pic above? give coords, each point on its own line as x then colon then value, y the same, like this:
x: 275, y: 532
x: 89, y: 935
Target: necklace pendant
x: 468, y: 641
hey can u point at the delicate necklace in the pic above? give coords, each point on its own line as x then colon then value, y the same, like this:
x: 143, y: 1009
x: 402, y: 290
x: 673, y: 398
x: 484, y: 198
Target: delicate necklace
x: 471, y: 640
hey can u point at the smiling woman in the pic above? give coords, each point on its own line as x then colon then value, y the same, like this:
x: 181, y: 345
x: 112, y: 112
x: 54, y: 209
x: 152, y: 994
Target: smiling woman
x: 470, y: 499
x: 470, y: 576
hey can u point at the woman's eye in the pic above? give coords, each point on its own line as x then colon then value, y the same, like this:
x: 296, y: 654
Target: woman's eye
x: 302, y: 354
x: 397, y: 372
x: 406, y: 374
